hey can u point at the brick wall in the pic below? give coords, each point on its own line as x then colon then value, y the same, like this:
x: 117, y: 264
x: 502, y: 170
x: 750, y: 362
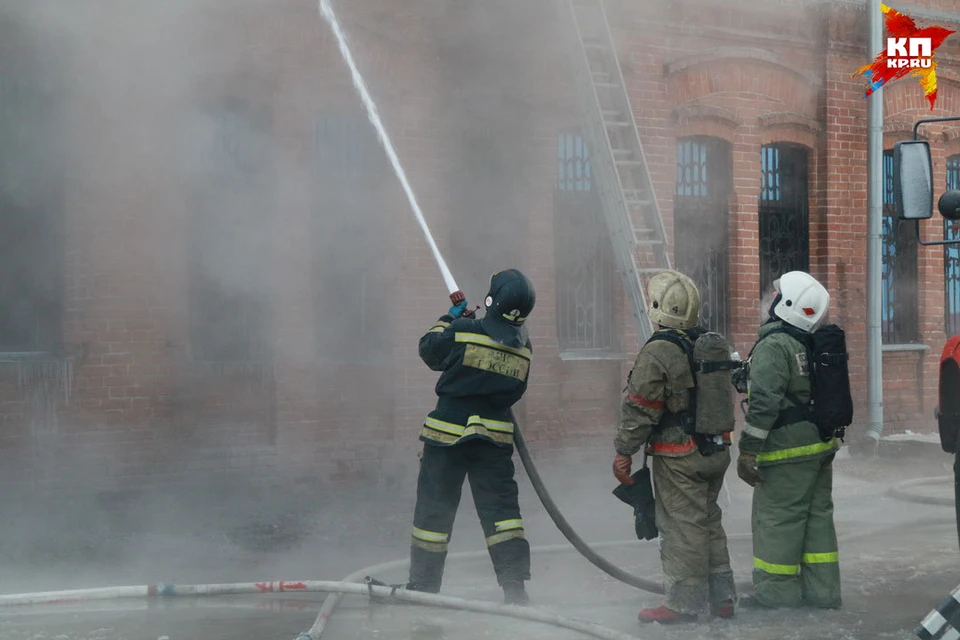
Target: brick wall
x: 141, y: 411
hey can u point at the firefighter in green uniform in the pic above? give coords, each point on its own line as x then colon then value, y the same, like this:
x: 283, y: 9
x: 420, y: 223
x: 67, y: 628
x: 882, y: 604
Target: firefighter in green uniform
x: 784, y: 458
x: 688, y: 471
x: 484, y: 364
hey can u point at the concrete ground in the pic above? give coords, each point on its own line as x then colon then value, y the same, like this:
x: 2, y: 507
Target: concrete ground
x: 899, y: 558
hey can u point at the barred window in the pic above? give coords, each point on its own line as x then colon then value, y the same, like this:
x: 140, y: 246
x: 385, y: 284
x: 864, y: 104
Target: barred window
x: 701, y: 210
x: 899, y: 281
x: 951, y: 255
x: 31, y: 219
x: 784, y: 212
x: 228, y: 239
x: 584, y: 254
x: 350, y: 261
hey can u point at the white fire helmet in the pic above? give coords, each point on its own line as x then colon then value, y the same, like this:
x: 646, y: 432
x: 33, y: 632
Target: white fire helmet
x: 803, y: 301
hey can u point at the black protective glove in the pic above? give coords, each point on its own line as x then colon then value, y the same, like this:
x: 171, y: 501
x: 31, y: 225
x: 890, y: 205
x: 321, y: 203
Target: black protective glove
x: 747, y: 468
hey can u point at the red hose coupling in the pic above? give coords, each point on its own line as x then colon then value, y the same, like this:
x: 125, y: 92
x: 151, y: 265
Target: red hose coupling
x: 457, y: 297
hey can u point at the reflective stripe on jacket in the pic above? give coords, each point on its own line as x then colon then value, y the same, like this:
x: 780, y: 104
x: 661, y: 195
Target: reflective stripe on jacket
x: 658, y: 448
x: 659, y: 386
x: 481, y: 378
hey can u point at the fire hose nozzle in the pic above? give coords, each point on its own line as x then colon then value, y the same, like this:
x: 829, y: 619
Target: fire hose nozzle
x: 457, y: 297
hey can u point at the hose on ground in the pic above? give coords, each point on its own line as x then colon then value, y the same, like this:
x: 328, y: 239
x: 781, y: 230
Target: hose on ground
x: 592, y: 556
x: 333, y: 600
x: 306, y: 586
x: 899, y: 491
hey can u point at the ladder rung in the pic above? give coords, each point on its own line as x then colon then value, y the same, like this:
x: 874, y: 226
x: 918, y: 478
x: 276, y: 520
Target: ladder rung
x: 649, y: 242
x: 642, y: 232
x: 621, y: 152
x: 630, y: 163
x: 607, y: 85
x: 617, y: 123
x: 649, y: 271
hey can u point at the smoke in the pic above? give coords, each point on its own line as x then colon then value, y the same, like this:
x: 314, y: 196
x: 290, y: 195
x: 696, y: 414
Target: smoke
x: 220, y: 248
x: 765, y: 302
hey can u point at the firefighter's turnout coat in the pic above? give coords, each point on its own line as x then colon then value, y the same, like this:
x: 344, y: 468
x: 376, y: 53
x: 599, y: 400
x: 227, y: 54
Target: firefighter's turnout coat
x: 469, y: 435
x: 794, y: 540
x: 693, y: 545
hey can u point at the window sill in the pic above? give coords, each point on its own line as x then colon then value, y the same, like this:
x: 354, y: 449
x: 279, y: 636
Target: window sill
x: 590, y: 354
x: 31, y: 356
x: 888, y: 348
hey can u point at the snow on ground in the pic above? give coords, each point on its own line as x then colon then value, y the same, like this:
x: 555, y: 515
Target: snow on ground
x: 898, y: 557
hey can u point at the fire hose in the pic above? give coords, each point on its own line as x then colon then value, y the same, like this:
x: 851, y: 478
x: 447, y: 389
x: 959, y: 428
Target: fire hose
x: 308, y: 586
x: 333, y: 600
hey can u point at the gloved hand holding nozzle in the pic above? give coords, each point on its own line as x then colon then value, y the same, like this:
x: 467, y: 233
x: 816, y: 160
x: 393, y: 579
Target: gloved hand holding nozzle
x: 459, y: 308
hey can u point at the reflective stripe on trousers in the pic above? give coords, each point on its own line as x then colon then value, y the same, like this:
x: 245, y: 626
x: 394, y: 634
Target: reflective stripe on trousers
x: 794, y: 569
x: 797, y: 452
x: 506, y: 530
x: 450, y: 433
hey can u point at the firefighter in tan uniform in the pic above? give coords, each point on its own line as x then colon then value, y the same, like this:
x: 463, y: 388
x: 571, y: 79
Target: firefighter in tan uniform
x: 693, y: 545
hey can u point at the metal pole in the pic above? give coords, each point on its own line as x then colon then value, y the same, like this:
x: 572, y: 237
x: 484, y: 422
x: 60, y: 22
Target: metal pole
x: 874, y: 231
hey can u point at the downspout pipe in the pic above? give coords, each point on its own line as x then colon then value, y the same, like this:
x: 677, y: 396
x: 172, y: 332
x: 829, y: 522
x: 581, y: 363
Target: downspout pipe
x: 874, y: 233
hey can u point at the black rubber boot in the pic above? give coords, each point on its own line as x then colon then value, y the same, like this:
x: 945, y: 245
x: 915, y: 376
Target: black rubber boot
x: 413, y: 586
x: 514, y: 593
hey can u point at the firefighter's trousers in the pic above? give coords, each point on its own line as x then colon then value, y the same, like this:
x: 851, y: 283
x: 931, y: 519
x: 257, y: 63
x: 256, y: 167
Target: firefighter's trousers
x: 693, y: 545
x: 490, y: 470
x: 795, y: 555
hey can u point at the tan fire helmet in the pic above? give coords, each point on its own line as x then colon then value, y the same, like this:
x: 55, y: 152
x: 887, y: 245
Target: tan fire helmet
x: 674, y: 300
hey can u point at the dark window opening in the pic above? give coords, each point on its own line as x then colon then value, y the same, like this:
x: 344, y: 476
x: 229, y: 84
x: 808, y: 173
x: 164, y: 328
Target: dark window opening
x: 584, y: 255
x: 351, y: 236
x: 229, y: 241
x: 31, y: 219
x: 488, y: 204
x: 899, y: 279
x: 701, y: 218
x: 784, y: 212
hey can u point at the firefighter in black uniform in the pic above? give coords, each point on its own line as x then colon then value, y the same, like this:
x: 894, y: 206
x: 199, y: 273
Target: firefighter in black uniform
x: 484, y: 364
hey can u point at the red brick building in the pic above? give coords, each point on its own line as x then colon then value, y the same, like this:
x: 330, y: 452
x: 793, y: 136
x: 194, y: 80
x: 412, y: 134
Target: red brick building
x: 207, y: 266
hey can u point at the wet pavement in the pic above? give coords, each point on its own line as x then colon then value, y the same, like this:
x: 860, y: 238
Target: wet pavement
x: 898, y: 558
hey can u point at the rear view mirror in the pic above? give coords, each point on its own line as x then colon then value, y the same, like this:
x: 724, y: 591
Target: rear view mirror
x: 913, y: 180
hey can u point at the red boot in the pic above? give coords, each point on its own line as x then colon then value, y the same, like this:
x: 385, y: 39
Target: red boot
x: 663, y: 615
x: 722, y: 609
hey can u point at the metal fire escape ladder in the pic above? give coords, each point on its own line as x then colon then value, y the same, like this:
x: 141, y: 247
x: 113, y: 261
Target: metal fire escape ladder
x: 618, y: 163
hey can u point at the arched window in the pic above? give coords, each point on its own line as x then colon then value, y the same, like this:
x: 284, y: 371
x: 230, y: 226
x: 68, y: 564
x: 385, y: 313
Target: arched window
x: 899, y: 280
x: 951, y: 256
x: 584, y: 254
x: 701, y: 213
x: 784, y: 212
